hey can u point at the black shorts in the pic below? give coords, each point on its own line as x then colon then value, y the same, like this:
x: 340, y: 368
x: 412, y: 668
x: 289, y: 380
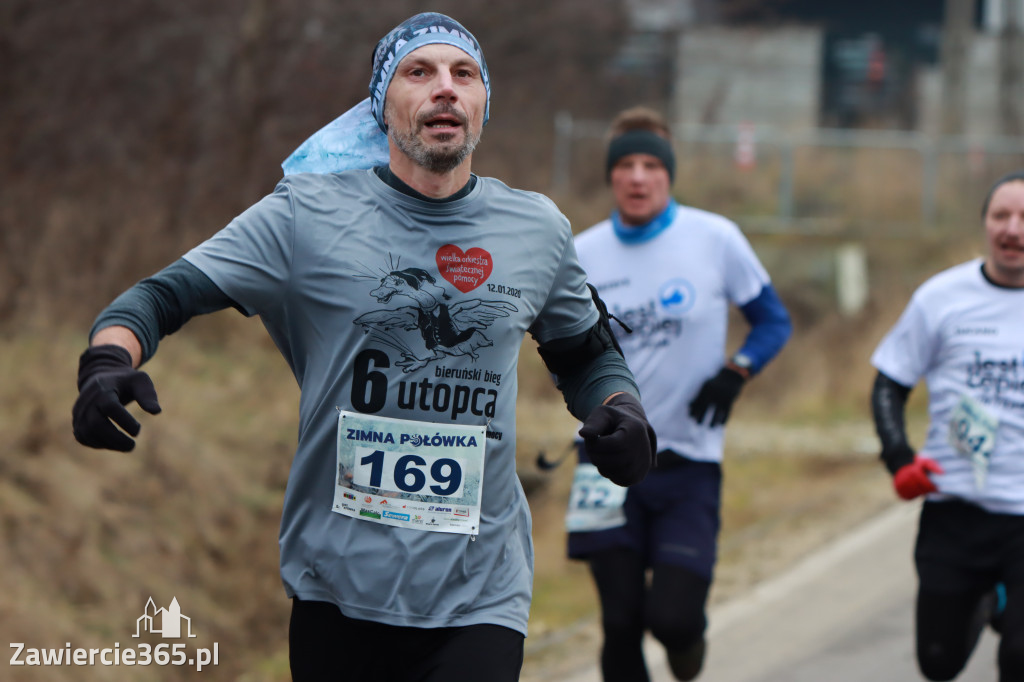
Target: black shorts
x: 327, y: 646
x: 962, y: 547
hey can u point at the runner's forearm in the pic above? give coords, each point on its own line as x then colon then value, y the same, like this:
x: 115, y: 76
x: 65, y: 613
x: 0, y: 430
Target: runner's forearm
x: 888, y: 405
x: 160, y: 305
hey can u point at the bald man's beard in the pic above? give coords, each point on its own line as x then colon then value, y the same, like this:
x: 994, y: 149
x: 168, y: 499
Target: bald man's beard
x: 438, y: 157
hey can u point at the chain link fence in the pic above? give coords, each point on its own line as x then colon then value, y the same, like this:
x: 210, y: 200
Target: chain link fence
x: 818, y: 181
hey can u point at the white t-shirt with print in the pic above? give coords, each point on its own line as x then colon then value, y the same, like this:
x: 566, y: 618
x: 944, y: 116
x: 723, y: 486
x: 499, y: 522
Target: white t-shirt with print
x: 674, y: 290
x: 965, y: 337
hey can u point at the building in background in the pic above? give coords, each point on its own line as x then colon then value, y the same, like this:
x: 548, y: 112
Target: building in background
x: 749, y: 74
x: 993, y: 91
x: 795, y: 64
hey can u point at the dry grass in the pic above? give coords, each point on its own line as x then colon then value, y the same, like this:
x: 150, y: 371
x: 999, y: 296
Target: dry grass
x: 89, y: 536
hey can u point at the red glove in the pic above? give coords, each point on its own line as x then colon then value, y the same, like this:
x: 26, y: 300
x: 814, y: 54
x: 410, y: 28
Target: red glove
x: 912, y: 479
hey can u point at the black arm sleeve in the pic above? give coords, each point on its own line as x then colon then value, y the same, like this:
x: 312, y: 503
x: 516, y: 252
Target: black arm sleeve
x: 585, y: 373
x: 888, y: 405
x: 589, y: 367
x: 161, y: 304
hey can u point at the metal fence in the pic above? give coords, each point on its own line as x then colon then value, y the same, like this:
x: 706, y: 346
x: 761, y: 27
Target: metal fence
x: 815, y: 181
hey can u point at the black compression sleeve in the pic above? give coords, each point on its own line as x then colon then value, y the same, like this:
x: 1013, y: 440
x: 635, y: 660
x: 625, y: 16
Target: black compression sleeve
x: 888, y: 406
x: 161, y: 304
x: 586, y: 371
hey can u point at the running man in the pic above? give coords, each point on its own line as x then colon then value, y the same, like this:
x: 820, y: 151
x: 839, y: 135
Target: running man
x: 963, y: 333
x: 399, y: 295
x: 671, y: 274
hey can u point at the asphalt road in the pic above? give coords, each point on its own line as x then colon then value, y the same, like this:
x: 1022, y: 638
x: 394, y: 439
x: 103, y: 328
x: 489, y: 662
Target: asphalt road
x: 844, y: 614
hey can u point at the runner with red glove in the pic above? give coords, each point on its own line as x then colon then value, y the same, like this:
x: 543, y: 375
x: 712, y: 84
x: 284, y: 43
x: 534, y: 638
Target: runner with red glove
x: 963, y: 333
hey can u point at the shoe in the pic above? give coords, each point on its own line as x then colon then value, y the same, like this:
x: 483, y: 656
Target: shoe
x: 685, y: 665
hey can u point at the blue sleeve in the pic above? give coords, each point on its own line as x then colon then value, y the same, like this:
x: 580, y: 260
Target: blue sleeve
x: 770, y: 328
x: 161, y: 304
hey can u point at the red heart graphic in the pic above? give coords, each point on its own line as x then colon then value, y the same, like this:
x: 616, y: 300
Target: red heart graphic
x: 466, y: 270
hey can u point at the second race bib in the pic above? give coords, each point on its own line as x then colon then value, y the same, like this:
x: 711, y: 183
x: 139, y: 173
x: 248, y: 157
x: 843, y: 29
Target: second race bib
x: 595, y: 503
x: 972, y: 433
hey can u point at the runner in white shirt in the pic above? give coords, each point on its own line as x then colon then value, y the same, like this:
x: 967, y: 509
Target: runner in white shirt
x: 963, y: 333
x: 671, y: 274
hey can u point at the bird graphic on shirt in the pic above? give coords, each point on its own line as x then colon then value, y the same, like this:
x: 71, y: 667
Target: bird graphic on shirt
x: 446, y: 329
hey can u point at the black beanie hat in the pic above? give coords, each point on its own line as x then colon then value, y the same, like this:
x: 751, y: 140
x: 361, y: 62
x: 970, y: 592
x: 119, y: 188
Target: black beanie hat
x: 1015, y: 176
x: 641, y: 142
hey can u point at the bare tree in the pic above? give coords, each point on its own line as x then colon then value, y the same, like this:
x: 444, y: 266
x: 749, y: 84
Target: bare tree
x: 131, y: 130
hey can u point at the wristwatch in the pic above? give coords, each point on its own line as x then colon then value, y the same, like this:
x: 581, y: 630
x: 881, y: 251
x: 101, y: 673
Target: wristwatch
x: 742, y: 364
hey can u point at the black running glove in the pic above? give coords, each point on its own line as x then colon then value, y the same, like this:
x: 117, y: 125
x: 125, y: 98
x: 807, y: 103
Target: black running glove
x: 619, y: 440
x: 717, y: 395
x: 106, y: 383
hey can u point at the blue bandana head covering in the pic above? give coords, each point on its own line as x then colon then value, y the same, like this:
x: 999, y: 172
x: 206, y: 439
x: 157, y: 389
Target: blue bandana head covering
x: 358, y: 138
x: 428, y: 28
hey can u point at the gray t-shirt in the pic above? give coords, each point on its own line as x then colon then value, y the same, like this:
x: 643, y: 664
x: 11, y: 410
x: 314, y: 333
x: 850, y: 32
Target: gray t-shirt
x: 387, y: 305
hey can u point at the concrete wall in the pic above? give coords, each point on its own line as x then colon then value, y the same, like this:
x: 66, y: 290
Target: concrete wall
x: 730, y: 75
x: 995, y: 14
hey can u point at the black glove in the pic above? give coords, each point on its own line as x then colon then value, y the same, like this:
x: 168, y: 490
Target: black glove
x: 619, y: 441
x: 106, y: 383
x: 717, y: 394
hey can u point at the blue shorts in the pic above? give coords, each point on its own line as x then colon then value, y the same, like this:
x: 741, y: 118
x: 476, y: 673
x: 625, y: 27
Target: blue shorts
x: 672, y: 517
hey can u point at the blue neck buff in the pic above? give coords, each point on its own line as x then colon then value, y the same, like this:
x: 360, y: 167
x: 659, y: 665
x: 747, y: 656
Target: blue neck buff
x: 642, y: 233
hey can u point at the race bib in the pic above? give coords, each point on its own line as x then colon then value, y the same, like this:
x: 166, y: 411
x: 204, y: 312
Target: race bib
x: 972, y: 433
x: 410, y: 474
x: 595, y: 503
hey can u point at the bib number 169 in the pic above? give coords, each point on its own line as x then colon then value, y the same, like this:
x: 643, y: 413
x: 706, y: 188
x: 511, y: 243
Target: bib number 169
x: 406, y: 473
